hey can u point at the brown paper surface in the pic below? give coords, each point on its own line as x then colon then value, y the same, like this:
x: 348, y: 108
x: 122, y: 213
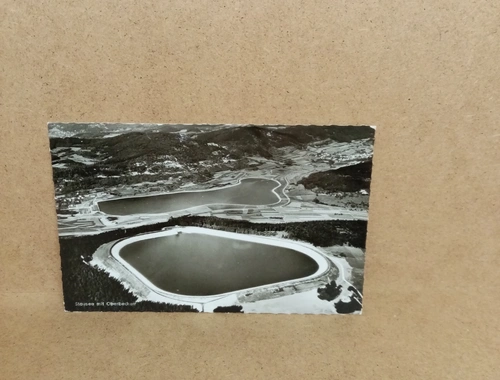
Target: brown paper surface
x: 426, y: 73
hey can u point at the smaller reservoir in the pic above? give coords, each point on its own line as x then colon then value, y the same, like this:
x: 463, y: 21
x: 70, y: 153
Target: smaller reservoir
x: 250, y: 191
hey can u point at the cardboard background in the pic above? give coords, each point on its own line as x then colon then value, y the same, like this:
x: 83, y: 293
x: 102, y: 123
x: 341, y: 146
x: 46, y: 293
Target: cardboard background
x: 426, y: 73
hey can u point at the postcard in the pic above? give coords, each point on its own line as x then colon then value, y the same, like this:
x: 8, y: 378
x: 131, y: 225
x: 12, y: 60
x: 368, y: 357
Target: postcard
x: 212, y: 218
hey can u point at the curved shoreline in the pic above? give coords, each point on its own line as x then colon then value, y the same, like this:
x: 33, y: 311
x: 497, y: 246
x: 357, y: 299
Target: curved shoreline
x: 280, y: 199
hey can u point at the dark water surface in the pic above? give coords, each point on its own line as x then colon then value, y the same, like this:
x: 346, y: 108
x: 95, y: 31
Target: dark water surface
x: 202, y: 265
x: 251, y: 191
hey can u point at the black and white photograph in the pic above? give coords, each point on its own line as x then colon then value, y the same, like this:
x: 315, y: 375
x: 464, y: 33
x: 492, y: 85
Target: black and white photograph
x: 212, y: 218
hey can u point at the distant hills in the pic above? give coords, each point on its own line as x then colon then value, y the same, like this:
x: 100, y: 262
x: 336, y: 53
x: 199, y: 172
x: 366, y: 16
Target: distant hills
x: 104, y: 154
x: 198, y: 145
x: 98, y: 130
x: 258, y: 140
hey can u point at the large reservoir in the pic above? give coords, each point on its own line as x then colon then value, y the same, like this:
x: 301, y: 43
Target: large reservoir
x: 197, y: 262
